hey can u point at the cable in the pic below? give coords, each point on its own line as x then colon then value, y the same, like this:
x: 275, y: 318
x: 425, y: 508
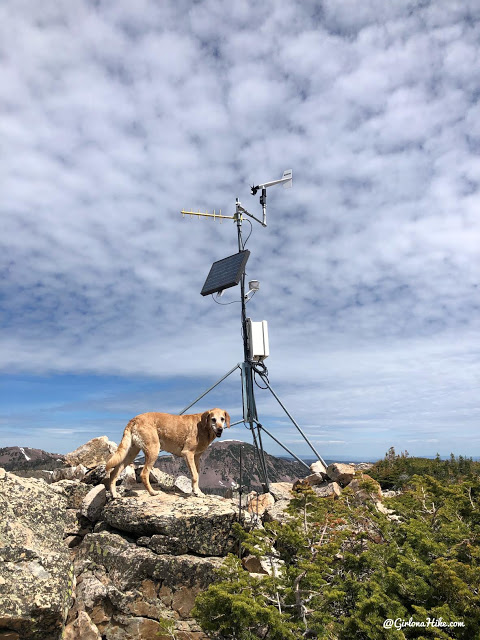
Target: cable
x: 262, y: 374
x: 223, y: 304
x: 255, y: 380
x: 251, y: 229
x: 262, y: 366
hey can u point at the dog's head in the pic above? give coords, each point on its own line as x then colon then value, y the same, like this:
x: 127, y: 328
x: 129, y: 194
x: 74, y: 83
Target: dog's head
x: 217, y: 420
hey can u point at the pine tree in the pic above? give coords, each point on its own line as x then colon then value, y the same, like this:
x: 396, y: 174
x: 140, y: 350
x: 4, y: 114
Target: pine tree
x: 347, y: 568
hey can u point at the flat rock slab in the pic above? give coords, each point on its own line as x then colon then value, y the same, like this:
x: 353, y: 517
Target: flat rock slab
x: 203, y: 524
x: 36, y: 574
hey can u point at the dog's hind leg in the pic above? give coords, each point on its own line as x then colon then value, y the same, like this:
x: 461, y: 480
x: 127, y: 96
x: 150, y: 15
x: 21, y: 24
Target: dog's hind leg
x: 116, y: 471
x: 151, y: 455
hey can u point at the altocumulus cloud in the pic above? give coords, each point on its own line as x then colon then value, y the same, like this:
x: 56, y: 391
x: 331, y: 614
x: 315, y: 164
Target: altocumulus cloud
x: 114, y: 116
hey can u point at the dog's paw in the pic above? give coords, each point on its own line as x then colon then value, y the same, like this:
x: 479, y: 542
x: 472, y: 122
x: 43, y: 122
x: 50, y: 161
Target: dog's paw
x: 153, y: 492
x: 198, y: 494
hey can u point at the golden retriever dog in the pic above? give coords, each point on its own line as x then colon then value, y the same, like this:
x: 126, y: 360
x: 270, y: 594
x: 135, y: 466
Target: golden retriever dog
x: 185, y: 436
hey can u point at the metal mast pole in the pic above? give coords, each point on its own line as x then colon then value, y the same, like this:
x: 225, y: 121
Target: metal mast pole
x: 249, y: 405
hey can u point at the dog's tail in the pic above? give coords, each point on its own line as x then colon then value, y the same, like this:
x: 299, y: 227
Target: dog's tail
x: 123, y: 448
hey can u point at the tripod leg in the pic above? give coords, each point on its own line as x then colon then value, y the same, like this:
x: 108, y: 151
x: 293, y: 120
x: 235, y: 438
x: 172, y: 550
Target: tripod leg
x: 210, y: 389
x: 319, y: 457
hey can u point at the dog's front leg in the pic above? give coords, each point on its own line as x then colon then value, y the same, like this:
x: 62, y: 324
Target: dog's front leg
x: 190, y: 460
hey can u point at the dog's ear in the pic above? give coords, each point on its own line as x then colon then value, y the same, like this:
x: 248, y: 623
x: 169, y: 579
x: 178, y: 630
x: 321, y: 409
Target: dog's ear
x: 205, y: 418
x: 227, y: 420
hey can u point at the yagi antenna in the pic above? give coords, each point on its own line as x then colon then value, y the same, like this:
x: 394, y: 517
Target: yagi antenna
x: 286, y: 180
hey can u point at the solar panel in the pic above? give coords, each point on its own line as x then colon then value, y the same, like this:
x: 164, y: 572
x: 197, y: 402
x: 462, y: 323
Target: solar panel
x: 225, y: 273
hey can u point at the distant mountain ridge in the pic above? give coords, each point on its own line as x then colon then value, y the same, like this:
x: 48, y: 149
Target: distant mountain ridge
x: 22, y: 458
x: 220, y: 465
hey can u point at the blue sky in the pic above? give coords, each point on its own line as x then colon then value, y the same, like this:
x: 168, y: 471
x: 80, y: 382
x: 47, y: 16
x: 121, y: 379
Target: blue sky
x: 114, y: 116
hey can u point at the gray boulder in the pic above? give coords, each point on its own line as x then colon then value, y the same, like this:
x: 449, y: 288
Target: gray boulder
x: 183, y: 484
x: 92, y: 453
x: 164, y: 480
x: 36, y: 574
x: 281, y: 490
x: 93, y: 503
x: 328, y: 489
x: 318, y: 467
x: 314, y: 479
x: 69, y: 473
x: 341, y: 473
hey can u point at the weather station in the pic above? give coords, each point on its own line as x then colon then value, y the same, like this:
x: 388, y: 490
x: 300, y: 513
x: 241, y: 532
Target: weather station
x: 229, y: 272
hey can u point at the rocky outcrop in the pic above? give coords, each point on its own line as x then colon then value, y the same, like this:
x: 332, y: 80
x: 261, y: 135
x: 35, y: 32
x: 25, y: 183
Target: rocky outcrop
x: 140, y: 570
x: 36, y: 573
x: 139, y: 561
x: 329, y: 482
x: 129, y: 591
x: 93, y: 503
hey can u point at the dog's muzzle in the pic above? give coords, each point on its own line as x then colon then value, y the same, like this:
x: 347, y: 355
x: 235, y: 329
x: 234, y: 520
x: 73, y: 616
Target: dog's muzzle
x: 218, y: 432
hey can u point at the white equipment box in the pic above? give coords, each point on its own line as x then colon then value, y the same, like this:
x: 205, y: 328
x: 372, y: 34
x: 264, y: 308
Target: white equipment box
x: 258, y: 340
